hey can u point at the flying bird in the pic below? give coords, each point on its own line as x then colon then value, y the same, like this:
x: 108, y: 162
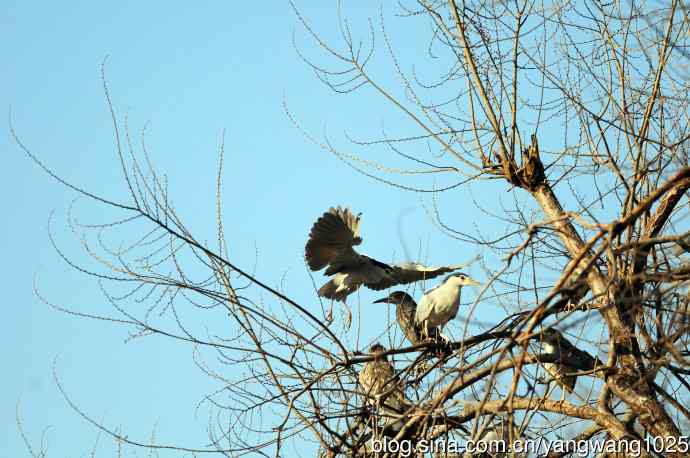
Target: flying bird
x: 330, y: 245
x: 405, y: 308
x: 439, y: 305
x: 382, y: 388
x: 568, y: 359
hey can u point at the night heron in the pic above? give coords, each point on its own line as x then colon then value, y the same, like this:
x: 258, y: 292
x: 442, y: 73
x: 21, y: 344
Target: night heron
x: 330, y: 244
x: 568, y: 359
x: 440, y: 305
x: 382, y: 388
x: 405, y: 308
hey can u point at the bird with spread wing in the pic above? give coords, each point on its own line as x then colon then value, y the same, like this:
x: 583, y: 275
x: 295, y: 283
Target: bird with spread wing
x: 330, y: 245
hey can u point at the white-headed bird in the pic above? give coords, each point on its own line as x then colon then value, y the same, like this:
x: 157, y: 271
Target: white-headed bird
x: 440, y: 305
x: 331, y: 243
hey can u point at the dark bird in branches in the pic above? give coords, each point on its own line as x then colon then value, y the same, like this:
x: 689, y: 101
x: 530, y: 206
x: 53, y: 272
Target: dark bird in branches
x: 568, y: 359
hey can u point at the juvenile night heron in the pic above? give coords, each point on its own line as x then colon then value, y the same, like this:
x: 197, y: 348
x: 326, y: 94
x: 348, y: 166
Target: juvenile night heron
x: 331, y: 243
x: 405, y: 308
x: 440, y: 305
x: 568, y: 357
x: 382, y: 388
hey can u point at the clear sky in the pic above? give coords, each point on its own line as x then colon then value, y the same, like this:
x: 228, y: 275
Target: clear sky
x: 192, y: 70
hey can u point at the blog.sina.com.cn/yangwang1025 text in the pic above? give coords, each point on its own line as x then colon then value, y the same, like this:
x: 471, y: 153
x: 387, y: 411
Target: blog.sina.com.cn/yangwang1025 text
x: 537, y: 447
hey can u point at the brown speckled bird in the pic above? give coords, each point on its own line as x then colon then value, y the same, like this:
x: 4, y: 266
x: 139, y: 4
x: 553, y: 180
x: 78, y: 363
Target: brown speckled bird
x: 331, y: 243
x: 382, y: 388
x: 405, y: 308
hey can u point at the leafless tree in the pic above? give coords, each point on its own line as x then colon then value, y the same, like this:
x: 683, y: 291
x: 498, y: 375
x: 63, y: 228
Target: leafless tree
x: 573, y: 114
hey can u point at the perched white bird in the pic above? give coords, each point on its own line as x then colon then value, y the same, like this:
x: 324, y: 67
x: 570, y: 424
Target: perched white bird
x: 330, y: 244
x: 440, y: 305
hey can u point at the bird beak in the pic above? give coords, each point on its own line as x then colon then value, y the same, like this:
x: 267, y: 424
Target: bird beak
x: 471, y: 282
x: 384, y: 299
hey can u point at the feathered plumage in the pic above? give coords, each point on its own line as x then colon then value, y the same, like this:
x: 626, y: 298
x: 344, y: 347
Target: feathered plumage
x: 330, y: 245
x: 405, y: 307
x: 568, y: 357
x: 382, y: 388
x: 439, y: 305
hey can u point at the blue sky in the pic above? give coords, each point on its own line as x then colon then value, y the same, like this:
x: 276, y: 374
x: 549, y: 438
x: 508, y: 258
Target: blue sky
x: 192, y: 70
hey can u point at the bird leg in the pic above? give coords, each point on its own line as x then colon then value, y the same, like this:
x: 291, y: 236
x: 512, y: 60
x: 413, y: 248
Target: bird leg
x: 329, y: 314
x: 550, y: 386
x: 563, y: 394
x: 425, y: 331
x: 445, y: 341
x: 347, y: 316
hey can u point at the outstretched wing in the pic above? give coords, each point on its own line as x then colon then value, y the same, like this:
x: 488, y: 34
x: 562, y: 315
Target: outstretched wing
x: 409, y: 272
x: 331, y: 240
